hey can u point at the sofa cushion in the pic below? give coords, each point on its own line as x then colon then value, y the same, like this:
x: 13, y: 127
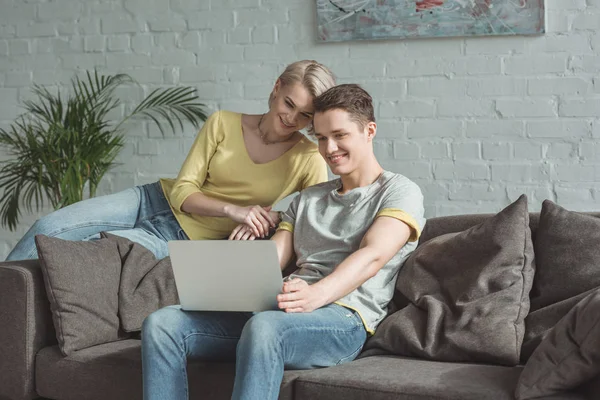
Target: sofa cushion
x: 392, y: 377
x: 568, y: 356
x: 467, y: 294
x: 146, y: 284
x: 114, y: 371
x: 567, y: 268
x: 82, y: 283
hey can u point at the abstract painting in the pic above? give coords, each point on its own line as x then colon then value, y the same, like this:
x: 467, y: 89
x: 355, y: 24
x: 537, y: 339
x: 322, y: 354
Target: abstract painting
x: 380, y: 19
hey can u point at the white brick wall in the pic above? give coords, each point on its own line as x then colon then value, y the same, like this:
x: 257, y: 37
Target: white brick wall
x: 475, y: 121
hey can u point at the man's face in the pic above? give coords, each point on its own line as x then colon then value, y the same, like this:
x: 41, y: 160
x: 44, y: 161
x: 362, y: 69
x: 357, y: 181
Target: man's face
x: 343, y: 143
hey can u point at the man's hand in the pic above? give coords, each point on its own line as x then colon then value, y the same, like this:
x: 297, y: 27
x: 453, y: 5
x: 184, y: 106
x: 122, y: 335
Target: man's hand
x: 258, y: 218
x: 298, y: 296
x: 242, y: 232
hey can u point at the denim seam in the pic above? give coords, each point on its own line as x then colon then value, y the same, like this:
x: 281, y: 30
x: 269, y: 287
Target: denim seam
x: 320, y: 329
x: 187, y: 336
x: 86, y: 224
x: 353, y: 354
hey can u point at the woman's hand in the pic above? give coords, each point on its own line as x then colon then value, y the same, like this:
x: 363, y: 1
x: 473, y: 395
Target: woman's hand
x: 257, y: 218
x: 244, y: 232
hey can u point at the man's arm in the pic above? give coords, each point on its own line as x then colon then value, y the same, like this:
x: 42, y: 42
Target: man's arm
x: 382, y: 241
x: 284, y: 241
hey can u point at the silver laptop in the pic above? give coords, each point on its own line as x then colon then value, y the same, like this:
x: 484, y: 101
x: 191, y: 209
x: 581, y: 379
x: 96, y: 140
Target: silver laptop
x: 226, y: 275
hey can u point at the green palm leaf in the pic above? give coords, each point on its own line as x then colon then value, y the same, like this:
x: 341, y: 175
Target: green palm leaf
x: 61, y: 144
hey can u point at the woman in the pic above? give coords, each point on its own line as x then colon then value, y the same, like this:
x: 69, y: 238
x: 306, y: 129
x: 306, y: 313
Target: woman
x: 238, y: 167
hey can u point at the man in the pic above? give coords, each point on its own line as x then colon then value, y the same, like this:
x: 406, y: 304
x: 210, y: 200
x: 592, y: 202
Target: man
x: 350, y: 237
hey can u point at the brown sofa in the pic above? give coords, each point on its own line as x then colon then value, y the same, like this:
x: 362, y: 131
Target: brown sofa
x: 32, y: 366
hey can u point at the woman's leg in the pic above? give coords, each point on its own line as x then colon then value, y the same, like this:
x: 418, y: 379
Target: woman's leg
x: 170, y: 336
x: 142, y: 214
x: 82, y: 220
x: 274, y: 340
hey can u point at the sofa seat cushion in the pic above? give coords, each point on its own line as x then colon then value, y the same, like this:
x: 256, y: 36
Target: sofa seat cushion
x: 401, y: 378
x: 114, y: 371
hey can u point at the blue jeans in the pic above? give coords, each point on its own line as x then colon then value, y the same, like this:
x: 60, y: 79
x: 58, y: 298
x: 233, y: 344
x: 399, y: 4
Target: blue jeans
x: 262, y: 345
x: 141, y: 214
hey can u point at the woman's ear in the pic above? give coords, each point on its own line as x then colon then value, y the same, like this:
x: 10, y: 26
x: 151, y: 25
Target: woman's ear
x: 276, y: 87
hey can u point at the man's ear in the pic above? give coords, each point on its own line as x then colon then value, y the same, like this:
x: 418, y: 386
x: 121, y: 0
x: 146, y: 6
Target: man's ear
x: 371, y: 130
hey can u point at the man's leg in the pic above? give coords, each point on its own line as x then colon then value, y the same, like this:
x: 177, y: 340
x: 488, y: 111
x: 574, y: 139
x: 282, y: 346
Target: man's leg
x: 171, y: 336
x: 274, y: 340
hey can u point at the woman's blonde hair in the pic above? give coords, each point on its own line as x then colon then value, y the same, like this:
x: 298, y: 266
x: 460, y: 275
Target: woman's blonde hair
x: 314, y: 76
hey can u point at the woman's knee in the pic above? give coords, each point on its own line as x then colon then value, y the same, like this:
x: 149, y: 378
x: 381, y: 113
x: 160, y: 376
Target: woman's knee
x: 48, y: 224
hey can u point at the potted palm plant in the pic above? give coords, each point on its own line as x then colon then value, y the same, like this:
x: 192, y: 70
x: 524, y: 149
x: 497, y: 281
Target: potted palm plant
x: 59, y: 147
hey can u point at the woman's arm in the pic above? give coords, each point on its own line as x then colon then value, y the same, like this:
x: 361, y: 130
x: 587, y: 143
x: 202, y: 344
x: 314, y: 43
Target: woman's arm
x: 258, y: 218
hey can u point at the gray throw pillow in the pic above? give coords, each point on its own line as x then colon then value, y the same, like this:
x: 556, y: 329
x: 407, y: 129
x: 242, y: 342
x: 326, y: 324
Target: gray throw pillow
x: 82, y: 283
x: 567, y: 268
x: 568, y: 356
x: 467, y: 293
x: 147, y: 284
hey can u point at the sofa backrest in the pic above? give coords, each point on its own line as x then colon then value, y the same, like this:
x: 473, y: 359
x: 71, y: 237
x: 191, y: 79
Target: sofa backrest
x: 457, y: 223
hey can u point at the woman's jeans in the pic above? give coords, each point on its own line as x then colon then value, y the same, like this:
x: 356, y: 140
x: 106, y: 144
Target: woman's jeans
x: 262, y: 345
x: 140, y: 214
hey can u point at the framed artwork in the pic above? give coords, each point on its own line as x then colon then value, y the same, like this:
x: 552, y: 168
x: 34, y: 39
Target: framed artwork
x: 340, y: 20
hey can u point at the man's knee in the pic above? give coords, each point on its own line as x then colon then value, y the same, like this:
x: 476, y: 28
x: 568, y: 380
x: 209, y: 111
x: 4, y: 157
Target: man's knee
x: 266, y: 327
x: 161, y: 324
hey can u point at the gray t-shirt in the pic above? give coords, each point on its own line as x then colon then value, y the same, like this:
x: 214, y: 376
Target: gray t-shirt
x: 328, y: 227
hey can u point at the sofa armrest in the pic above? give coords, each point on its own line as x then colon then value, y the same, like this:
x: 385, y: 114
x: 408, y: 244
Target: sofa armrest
x: 25, y: 327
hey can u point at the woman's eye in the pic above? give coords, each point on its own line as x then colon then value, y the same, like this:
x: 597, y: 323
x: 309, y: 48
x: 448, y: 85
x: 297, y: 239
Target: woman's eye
x: 289, y: 104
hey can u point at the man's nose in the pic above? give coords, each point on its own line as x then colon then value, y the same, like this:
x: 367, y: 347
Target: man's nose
x: 331, y: 146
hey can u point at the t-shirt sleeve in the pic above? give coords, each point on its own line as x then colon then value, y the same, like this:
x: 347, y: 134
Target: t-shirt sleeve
x: 195, y: 167
x: 404, y: 201
x: 288, y: 218
x: 315, y: 171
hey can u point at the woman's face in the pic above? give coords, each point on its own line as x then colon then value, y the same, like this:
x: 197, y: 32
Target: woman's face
x: 291, y: 108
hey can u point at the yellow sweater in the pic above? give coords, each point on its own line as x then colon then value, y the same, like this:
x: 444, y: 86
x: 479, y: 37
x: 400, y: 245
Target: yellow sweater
x: 218, y: 165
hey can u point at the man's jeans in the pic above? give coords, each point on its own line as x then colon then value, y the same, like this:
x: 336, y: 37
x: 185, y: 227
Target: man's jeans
x: 262, y: 345
x: 140, y: 214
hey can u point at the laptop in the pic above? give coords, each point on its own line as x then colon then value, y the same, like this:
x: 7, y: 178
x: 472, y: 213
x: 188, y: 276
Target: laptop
x: 226, y: 275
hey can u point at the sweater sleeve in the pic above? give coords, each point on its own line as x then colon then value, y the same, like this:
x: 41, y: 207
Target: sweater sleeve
x: 195, y: 167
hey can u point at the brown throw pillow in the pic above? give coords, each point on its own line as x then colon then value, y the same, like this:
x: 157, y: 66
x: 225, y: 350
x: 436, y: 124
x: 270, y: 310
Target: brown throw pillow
x: 468, y: 294
x: 568, y: 356
x: 567, y: 268
x: 82, y: 283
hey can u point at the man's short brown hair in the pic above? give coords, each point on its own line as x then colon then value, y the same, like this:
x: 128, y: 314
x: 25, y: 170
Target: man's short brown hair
x: 349, y: 97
